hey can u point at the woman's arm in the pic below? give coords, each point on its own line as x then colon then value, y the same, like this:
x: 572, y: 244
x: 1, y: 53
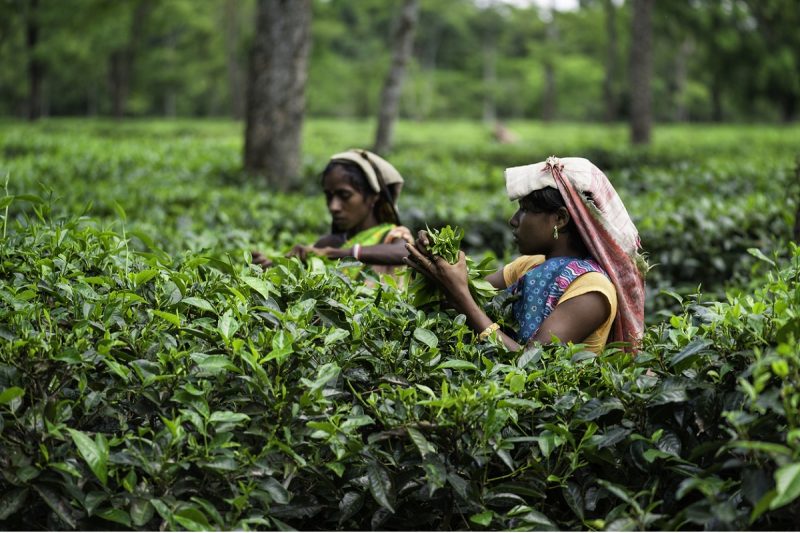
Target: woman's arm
x: 497, y: 279
x: 575, y: 319
x: 378, y: 254
x: 453, y: 279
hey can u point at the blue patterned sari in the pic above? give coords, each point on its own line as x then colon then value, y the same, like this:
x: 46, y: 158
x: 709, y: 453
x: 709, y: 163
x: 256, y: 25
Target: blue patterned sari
x: 541, y: 288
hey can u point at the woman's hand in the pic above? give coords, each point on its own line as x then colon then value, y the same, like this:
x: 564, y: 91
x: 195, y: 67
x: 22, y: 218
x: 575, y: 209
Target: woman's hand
x: 261, y: 260
x: 452, y: 278
x: 300, y: 251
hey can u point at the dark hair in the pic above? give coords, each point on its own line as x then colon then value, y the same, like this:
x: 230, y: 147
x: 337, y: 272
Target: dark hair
x: 384, y: 210
x: 549, y: 200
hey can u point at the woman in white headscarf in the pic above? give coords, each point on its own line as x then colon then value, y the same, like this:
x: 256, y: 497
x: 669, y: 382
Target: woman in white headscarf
x: 580, y: 277
x: 361, y: 190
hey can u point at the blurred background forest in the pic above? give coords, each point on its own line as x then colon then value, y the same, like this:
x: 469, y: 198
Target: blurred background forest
x: 713, y: 60
x: 135, y: 139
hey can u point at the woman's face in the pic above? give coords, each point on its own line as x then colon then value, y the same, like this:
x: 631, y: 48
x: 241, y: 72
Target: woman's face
x: 533, y: 230
x: 350, y: 209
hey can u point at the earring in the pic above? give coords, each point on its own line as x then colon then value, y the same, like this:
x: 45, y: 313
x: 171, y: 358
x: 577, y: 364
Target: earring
x: 555, y: 232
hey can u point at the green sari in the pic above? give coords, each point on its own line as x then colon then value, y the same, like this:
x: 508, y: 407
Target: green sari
x: 369, y: 237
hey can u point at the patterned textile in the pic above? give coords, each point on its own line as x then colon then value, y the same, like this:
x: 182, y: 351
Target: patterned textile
x: 605, y: 227
x: 370, y: 236
x: 541, y: 288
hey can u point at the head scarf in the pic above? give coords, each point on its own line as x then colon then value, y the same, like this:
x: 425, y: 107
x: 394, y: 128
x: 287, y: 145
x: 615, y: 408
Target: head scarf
x: 377, y: 169
x: 380, y: 175
x: 603, y: 223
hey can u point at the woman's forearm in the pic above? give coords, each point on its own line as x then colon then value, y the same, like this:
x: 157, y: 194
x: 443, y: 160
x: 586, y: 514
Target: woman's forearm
x: 381, y: 254
x: 477, y: 318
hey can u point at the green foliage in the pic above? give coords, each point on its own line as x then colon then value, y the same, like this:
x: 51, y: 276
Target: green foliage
x: 712, y: 60
x: 151, y: 378
x: 187, y: 392
x: 445, y: 243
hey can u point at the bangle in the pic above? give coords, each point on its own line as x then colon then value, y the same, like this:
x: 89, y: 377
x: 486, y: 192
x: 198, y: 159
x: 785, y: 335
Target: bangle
x: 491, y: 328
x: 356, y: 251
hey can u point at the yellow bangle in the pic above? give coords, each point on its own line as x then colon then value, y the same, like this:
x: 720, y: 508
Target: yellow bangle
x: 491, y: 328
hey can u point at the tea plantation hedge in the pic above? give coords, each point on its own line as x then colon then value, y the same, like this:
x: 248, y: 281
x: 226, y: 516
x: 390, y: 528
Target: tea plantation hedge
x: 151, y: 378
x: 187, y: 392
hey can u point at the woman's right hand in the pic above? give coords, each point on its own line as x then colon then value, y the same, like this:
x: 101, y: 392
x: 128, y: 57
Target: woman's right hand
x: 452, y: 278
x: 300, y: 251
x: 261, y: 260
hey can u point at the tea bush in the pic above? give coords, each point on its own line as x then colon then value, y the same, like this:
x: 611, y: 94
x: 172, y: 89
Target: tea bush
x: 150, y: 391
x: 701, y: 196
x: 151, y: 378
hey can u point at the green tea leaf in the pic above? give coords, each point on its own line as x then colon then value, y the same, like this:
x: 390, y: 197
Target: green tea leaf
x: 426, y: 337
x: 458, y: 364
x: 10, y: 394
x: 94, y: 455
x: 787, y: 485
x: 172, y: 318
x: 12, y: 501
x: 482, y: 519
x: 192, y: 519
x: 258, y: 285
x: 141, y: 512
x: 228, y: 416
x: 420, y: 442
x: 380, y: 485
x: 115, y: 515
x: 199, y: 303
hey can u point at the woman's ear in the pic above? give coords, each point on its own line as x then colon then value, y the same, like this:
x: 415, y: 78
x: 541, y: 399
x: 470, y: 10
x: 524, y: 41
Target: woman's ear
x: 562, y: 217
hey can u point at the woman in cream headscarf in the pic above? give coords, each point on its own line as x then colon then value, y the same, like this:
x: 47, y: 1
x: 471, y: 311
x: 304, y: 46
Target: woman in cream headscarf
x: 580, y: 277
x: 361, y: 190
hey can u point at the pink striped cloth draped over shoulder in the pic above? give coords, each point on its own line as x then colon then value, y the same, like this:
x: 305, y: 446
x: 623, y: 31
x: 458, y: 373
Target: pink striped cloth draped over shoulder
x: 604, y: 225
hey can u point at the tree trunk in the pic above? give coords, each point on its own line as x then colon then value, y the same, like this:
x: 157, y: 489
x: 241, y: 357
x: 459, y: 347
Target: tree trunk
x: 118, y: 73
x: 232, y: 30
x: 122, y: 61
x: 679, y: 81
x: 788, y: 109
x: 276, y: 90
x: 549, y: 96
x: 641, y: 71
x: 612, y: 61
x: 489, y: 79
x: 35, y: 66
x: 92, y: 100
x: 717, y: 113
x: 392, y: 88
x: 428, y: 92
x: 797, y: 212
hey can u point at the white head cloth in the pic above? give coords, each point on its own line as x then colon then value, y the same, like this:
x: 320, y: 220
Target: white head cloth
x: 585, y: 177
x: 365, y: 160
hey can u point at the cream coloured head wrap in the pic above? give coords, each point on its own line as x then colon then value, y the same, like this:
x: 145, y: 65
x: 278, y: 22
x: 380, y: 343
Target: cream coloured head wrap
x: 369, y: 162
x: 585, y: 177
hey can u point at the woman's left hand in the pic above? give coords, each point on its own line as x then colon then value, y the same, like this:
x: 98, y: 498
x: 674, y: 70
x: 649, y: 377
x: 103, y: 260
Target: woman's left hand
x: 452, y: 278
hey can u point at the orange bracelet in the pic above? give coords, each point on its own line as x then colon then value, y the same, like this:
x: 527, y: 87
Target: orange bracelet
x: 491, y: 328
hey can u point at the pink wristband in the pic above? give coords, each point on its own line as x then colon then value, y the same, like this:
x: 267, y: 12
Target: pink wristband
x: 356, y: 251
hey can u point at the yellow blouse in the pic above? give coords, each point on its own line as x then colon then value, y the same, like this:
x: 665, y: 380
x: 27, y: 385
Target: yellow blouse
x: 589, y: 282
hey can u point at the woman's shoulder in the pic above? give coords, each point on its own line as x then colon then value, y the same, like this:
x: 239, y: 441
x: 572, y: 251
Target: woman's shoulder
x: 519, y: 266
x: 593, y: 281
